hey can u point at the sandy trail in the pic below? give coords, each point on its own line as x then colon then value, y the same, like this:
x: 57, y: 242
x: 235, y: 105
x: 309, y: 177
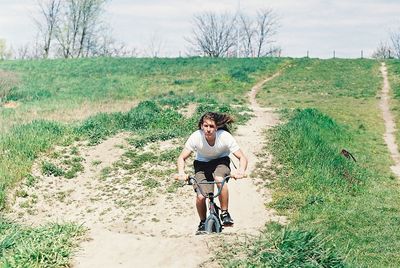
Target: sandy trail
x: 390, y: 126
x: 130, y: 226
x: 176, y: 245
x: 182, y: 248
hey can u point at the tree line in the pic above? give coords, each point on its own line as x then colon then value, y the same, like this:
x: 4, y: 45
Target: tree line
x: 389, y: 50
x: 240, y: 35
x: 69, y: 29
x: 76, y: 29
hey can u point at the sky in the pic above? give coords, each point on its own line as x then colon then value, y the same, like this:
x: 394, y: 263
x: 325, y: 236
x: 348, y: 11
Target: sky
x: 317, y: 26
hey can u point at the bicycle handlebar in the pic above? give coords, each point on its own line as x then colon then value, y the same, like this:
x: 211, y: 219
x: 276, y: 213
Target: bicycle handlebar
x: 192, y: 181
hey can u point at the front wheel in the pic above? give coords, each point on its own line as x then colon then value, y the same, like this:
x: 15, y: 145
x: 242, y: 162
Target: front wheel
x: 213, y: 225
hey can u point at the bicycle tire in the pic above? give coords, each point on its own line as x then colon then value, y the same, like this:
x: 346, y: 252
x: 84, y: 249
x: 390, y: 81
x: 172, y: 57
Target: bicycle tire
x: 212, y: 225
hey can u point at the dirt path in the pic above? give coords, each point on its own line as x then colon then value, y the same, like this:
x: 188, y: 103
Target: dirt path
x: 132, y: 226
x: 390, y: 126
x: 174, y: 244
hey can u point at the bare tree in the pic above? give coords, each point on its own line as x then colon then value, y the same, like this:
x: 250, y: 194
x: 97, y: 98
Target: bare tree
x: 47, y: 22
x: 155, y: 45
x: 383, y: 51
x: 266, y: 28
x: 5, y: 52
x: 395, y: 38
x: 248, y: 33
x: 78, y: 28
x: 23, y: 52
x: 105, y: 45
x: 213, y: 34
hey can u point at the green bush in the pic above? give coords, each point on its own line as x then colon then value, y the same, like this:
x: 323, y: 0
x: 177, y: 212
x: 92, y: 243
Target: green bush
x: 49, y: 169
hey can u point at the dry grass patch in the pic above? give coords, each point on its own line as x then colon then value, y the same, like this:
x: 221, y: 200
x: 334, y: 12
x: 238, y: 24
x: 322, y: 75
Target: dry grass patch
x: 8, y: 81
x: 87, y: 109
x: 189, y: 110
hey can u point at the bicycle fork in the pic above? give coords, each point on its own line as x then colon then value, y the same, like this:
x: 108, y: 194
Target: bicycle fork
x: 213, y: 208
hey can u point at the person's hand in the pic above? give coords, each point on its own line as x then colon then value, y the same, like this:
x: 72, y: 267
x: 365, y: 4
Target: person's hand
x: 238, y: 174
x: 181, y: 177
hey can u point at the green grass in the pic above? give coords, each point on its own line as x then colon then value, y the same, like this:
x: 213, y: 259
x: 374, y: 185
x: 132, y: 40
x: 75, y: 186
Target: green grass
x: 52, y: 88
x: 62, y: 90
x: 49, y: 169
x: 351, y: 202
x: 353, y: 205
x: 345, y: 90
x: 152, y: 120
x: 21, y: 147
x: 342, y: 213
x: 282, y: 247
x: 45, y: 246
x: 67, y: 84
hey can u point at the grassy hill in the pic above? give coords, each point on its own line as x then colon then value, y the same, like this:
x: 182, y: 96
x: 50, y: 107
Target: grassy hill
x: 350, y: 207
x: 342, y: 213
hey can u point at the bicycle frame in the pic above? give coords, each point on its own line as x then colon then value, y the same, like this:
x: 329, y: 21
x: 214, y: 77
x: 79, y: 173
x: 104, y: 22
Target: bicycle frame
x: 213, y: 223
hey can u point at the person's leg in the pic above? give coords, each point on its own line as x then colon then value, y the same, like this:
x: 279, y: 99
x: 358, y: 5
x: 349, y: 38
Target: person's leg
x: 221, y: 171
x: 224, y: 196
x: 201, y: 207
x: 200, y: 199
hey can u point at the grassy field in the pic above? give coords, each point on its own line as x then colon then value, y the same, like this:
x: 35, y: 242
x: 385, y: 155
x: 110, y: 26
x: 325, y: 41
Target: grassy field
x: 48, y: 89
x: 92, y: 99
x: 350, y: 207
x: 342, y: 213
x: 66, y: 90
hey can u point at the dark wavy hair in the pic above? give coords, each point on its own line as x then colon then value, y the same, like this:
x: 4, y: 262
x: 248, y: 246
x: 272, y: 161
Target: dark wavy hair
x: 222, y: 121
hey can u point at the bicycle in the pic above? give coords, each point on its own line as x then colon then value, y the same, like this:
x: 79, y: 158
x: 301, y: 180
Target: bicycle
x: 213, y: 223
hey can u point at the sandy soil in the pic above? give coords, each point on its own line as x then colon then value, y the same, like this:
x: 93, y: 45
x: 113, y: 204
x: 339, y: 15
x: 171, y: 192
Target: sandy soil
x: 390, y: 126
x: 130, y: 226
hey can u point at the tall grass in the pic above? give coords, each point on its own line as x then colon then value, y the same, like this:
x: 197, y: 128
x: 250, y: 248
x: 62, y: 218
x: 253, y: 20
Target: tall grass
x: 352, y: 206
x: 310, y: 145
x: 21, y: 147
x: 8, y: 81
x: 46, y: 246
x: 282, y: 247
x: 324, y: 192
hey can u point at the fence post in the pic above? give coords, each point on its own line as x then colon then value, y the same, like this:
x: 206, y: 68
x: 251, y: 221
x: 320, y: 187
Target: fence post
x: 362, y: 54
x: 308, y: 54
x: 334, y: 54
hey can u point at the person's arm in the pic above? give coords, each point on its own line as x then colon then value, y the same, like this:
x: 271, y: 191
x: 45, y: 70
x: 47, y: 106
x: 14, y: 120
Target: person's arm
x: 240, y: 172
x: 181, y: 164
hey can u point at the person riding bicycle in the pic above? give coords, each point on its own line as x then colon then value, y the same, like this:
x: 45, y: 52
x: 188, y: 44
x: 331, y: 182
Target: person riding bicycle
x: 212, y: 143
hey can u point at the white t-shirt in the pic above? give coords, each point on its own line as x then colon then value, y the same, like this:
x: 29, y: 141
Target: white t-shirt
x: 224, y: 145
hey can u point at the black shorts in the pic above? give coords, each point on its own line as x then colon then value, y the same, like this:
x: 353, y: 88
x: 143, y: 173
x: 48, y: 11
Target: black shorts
x: 206, y: 171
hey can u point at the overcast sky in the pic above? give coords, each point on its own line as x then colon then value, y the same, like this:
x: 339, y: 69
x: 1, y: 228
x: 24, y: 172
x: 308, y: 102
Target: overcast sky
x: 317, y: 26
